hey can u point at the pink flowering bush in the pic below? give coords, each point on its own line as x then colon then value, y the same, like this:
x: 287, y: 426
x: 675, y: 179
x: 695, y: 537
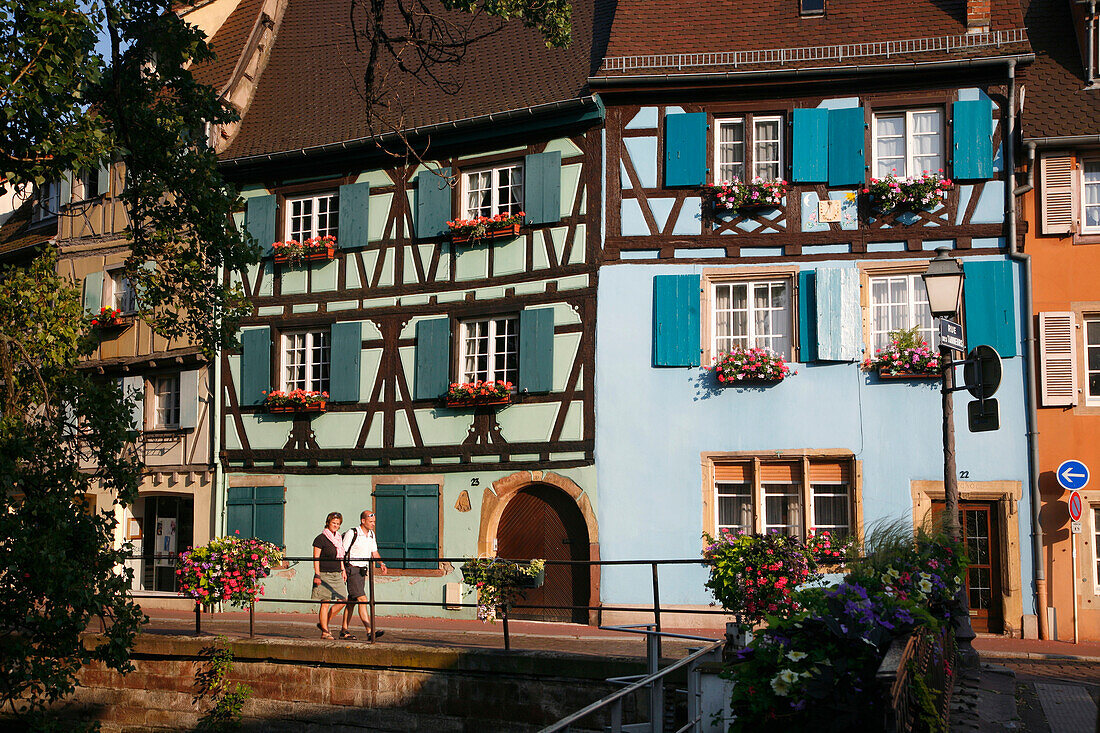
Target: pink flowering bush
x: 736, y: 194
x: 754, y: 576
x: 228, y: 570
x: 906, y: 354
x: 474, y: 391
x: 297, y: 252
x: 753, y: 363
x: 912, y: 192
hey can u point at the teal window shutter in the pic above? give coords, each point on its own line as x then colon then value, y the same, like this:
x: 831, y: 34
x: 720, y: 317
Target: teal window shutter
x: 686, y: 149
x: 189, y: 398
x: 433, y: 358
x: 536, y: 350
x: 267, y: 517
x: 972, y: 135
x: 66, y: 189
x: 389, y: 510
x: 259, y: 221
x: 846, y: 145
x: 810, y: 152
x: 255, y: 365
x: 239, y: 512
x: 990, y: 305
x: 675, y: 320
x: 103, y: 179
x: 807, y: 316
x: 433, y: 203
x: 346, y: 350
x: 422, y: 526
x: 542, y: 187
x: 839, y: 321
x: 93, y: 292
x: 353, y: 222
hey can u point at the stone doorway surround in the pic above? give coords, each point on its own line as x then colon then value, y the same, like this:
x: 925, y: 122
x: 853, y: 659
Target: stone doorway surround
x: 1005, y: 496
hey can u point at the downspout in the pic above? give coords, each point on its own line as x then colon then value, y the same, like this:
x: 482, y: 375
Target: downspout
x: 215, y: 412
x: 1014, y: 253
x: 1090, y: 31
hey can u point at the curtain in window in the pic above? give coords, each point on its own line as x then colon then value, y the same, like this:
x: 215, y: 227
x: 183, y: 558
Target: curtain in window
x: 731, y: 150
x: 890, y: 145
x: 927, y: 134
x: 783, y: 509
x: 1092, y: 194
x: 735, y: 507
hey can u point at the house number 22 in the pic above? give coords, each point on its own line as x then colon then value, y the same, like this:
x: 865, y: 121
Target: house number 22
x: 964, y: 474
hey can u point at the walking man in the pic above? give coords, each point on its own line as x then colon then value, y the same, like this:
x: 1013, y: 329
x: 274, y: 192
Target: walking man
x: 360, y: 547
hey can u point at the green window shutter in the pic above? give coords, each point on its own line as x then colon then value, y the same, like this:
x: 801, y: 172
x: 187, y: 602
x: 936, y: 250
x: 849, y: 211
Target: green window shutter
x: 353, y: 222
x: 255, y: 365
x: 542, y: 187
x: 259, y: 221
x: 846, y: 137
x: 189, y: 398
x: 990, y: 306
x: 267, y: 517
x: 389, y: 509
x: 676, y: 320
x: 66, y: 189
x: 807, y: 316
x: 686, y: 149
x: 839, y: 321
x: 134, y: 387
x: 433, y: 203
x: 810, y: 152
x: 536, y: 350
x: 972, y: 135
x: 103, y: 179
x: 422, y: 526
x: 139, y: 289
x: 433, y: 358
x: 93, y: 292
x: 346, y: 352
x: 239, y: 511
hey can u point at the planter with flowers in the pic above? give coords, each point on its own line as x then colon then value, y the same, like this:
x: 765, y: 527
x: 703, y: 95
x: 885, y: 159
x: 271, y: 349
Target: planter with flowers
x: 500, y: 583
x: 827, y: 551
x: 294, y: 253
x: 484, y: 228
x: 911, y: 193
x: 746, y: 366
x: 108, y: 319
x: 736, y: 195
x: 475, y: 394
x: 906, y: 357
x: 296, y: 400
x: 228, y: 570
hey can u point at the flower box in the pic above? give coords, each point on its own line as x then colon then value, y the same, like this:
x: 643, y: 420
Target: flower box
x: 474, y: 402
x: 311, y: 407
x: 737, y: 195
x: 913, y: 193
x: 478, y: 394
x: 472, y: 231
x: 749, y: 366
x: 906, y: 357
x: 296, y: 400
x: 317, y: 255
x: 884, y: 373
x: 316, y: 249
x: 511, y: 231
x: 109, y: 319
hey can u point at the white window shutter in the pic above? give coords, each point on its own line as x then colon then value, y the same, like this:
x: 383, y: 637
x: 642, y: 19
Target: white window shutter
x: 1058, y: 358
x: 1056, y: 179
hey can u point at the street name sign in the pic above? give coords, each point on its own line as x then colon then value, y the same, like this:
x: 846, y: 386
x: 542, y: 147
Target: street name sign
x: 1072, y: 475
x: 951, y: 335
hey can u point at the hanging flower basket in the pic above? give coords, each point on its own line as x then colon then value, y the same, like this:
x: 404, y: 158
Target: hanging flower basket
x: 293, y: 252
x: 912, y: 193
x: 483, y: 228
x: 749, y: 366
x: 297, y: 400
x: 476, y: 394
x: 737, y: 195
x: 907, y: 357
x: 228, y: 570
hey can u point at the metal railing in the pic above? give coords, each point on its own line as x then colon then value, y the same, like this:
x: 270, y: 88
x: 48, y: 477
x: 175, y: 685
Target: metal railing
x: 922, y: 664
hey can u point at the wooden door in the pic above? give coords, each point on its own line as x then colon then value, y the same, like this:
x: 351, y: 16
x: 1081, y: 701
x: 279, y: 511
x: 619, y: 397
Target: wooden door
x: 981, y: 535
x: 544, y: 522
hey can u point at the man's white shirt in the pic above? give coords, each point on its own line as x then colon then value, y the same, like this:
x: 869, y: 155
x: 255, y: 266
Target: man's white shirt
x: 359, y: 546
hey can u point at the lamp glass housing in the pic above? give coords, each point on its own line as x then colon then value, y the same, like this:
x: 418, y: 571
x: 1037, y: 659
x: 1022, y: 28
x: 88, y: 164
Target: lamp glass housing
x: 944, y: 282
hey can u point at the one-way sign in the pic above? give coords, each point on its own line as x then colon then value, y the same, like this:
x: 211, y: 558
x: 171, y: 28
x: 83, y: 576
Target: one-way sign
x: 1072, y: 475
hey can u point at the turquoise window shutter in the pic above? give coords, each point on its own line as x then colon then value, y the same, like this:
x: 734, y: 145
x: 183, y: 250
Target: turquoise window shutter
x: 433, y: 358
x: 354, y: 204
x: 239, y: 510
x: 846, y: 138
x: 433, y: 203
x: 267, y: 517
x: 972, y: 134
x: 389, y: 510
x: 66, y: 189
x: 346, y: 352
x: 255, y: 365
x: 259, y: 221
x: 839, y: 325
x: 422, y: 526
x: 542, y: 188
x: 675, y: 320
x: 807, y: 316
x: 103, y: 179
x: 686, y: 149
x: 810, y: 153
x: 536, y: 350
x: 93, y: 292
x: 189, y: 398
x: 990, y: 305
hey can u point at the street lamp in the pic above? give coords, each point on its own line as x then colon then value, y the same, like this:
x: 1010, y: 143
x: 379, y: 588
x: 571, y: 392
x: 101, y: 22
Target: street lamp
x: 944, y: 282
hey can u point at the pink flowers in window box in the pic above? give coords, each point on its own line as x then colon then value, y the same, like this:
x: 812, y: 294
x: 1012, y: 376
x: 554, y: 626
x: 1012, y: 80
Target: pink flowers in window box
x: 293, y: 252
x: 907, y: 356
x: 296, y: 400
x: 478, y: 393
x: 912, y: 192
x: 735, y: 194
x: 485, y: 227
x: 749, y: 365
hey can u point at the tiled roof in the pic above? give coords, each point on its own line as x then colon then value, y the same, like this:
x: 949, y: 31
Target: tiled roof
x: 1056, y: 103
x: 228, y: 43
x: 16, y: 233
x: 310, y: 91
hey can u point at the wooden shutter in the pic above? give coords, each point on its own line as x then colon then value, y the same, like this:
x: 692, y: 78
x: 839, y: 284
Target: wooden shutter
x: 267, y: 517
x: 846, y: 146
x: 433, y: 358
x: 422, y: 526
x: 990, y: 305
x: 189, y: 398
x: 255, y: 365
x: 1056, y: 181
x: 676, y: 320
x: 347, y: 349
x: 536, y: 350
x: 93, y: 292
x: 810, y: 145
x: 972, y: 134
x: 103, y: 179
x: 686, y: 149
x: 780, y: 473
x: 831, y: 472
x: 66, y: 189
x: 1058, y: 358
x: 839, y: 321
x: 134, y: 388
x: 354, y: 221
x: 807, y: 316
x: 542, y: 187
x: 433, y: 203
x: 239, y: 512
x: 732, y: 473
x: 389, y: 510
x: 259, y: 221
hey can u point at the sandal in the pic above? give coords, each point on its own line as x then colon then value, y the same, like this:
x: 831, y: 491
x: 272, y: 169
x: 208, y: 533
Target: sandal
x: 326, y: 636
x: 378, y: 634
x: 345, y: 634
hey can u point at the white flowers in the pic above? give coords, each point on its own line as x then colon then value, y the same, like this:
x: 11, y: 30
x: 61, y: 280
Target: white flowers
x: 783, y: 681
x: 795, y: 656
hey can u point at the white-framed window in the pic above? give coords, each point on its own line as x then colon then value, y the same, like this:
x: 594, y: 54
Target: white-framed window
x: 734, y: 507
x: 489, y: 350
x: 48, y: 201
x: 783, y: 508
x: 86, y: 185
x: 832, y: 508
x: 1092, y: 360
x: 1090, y: 196
x: 898, y: 303
x: 122, y: 297
x: 755, y: 313
x: 312, y: 216
x: 752, y: 143
x: 166, y: 406
x: 306, y: 361
x: 492, y: 191
x: 908, y: 143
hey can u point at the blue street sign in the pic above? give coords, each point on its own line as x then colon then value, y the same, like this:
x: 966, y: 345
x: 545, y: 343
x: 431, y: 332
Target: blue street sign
x: 1072, y: 475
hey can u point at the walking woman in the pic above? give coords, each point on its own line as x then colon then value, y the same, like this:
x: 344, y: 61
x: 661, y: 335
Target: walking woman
x: 329, y: 577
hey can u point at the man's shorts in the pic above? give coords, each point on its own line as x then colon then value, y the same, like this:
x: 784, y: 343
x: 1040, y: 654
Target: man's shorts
x: 357, y: 582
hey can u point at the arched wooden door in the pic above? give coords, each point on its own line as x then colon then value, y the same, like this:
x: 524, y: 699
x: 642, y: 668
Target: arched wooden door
x: 543, y: 522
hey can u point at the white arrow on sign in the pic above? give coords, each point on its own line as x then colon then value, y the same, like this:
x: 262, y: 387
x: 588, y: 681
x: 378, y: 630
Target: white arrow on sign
x: 1068, y: 476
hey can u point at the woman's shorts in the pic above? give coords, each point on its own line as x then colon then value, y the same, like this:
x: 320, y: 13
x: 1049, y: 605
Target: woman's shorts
x: 331, y: 587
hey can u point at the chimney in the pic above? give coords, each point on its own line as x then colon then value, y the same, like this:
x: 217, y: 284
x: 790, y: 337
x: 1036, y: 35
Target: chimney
x: 977, y: 16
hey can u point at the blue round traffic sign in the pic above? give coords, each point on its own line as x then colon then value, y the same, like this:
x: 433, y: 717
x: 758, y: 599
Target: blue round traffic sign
x: 1072, y: 475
